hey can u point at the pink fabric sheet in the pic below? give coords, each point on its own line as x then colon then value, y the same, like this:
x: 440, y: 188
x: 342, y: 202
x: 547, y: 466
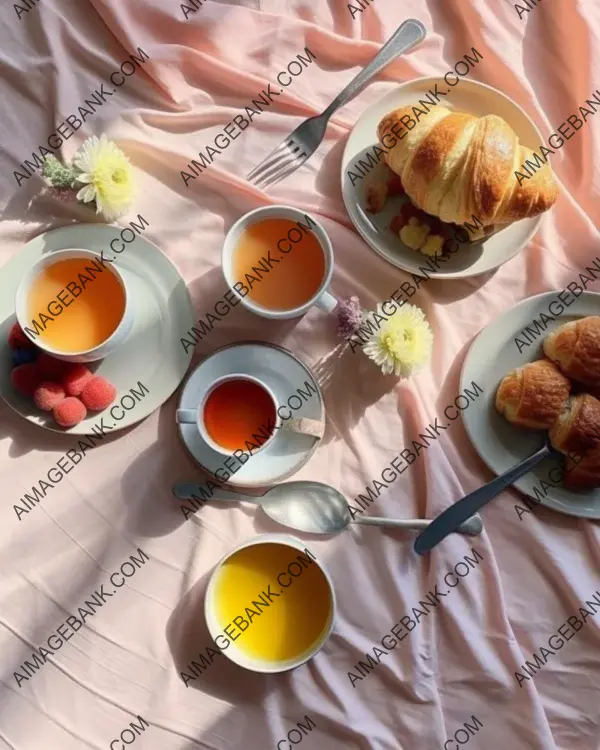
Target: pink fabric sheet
x: 536, y: 570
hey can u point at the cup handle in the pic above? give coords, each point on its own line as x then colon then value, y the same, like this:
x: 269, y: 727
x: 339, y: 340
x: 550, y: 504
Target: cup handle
x: 326, y: 302
x: 313, y: 427
x: 185, y: 416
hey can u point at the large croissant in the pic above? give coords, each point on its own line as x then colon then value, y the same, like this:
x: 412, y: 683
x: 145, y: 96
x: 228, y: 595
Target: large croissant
x: 458, y: 166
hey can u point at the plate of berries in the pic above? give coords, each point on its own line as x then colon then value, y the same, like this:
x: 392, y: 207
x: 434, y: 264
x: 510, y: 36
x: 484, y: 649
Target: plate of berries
x: 126, y: 385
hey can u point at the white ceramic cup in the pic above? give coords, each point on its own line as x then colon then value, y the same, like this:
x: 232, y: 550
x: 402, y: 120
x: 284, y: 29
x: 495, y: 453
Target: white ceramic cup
x: 108, y: 346
x: 232, y: 651
x: 322, y: 298
x: 313, y: 427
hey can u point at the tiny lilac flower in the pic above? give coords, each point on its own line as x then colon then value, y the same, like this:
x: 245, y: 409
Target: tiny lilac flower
x: 349, y: 317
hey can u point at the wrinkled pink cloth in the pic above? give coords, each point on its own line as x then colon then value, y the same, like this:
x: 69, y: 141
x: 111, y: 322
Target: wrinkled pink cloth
x: 537, y: 569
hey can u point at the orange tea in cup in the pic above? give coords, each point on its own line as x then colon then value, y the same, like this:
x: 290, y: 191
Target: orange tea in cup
x: 282, y: 266
x: 238, y: 411
x: 75, y: 304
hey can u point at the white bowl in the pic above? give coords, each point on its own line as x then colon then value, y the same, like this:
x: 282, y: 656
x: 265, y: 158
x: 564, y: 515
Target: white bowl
x: 232, y: 651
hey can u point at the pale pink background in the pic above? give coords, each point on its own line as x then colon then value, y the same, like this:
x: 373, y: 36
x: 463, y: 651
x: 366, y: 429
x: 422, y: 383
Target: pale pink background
x: 461, y: 659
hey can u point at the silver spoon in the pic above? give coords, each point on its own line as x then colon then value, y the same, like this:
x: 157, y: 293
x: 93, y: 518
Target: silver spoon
x: 452, y: 517
x: 314, y: 507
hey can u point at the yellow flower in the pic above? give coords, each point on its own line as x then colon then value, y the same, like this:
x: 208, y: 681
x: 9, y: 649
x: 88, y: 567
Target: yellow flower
x: 107, y: 175
x: 403, y: 342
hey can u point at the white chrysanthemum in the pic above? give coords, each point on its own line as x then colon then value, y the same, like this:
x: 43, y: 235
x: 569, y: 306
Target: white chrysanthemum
x: 403, y: 343
x: 107, y: 175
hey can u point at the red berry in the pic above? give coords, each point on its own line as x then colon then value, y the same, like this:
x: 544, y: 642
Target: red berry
x: 51, y: 367
x: 395, y: 186
x: 17, y: 339
x: 48, y: 395
x: 408, y: 211
x: 75, y: 379
x: 69, y: 412
x: 436, y: 226
x: 26, y: 378
x: 449, y: 247
x: 98, y: 393
x: 396, y: 224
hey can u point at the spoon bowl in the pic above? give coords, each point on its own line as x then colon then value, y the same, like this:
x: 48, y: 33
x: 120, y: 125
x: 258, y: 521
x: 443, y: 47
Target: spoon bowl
x: 314, y: 507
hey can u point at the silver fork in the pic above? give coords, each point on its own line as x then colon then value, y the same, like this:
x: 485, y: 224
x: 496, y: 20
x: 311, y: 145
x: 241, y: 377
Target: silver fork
x: 304, y: 141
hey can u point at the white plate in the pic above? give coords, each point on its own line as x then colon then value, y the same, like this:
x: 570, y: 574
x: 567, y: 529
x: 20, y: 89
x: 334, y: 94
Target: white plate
x: 472, y: 259
x: 152, y: 354
x: 492, y: 354
x: 284, y: 374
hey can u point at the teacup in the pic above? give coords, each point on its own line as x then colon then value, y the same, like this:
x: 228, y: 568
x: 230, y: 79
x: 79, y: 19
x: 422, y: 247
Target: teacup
x: 282, y: 253
x: 237, y: 398
x: 286, y: 586
x: 103, y: 309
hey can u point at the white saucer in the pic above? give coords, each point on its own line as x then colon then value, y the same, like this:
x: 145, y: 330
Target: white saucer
x: 471, y: 259
x: 284, y: 374
x: 152, y: 354
x: 500, y: 445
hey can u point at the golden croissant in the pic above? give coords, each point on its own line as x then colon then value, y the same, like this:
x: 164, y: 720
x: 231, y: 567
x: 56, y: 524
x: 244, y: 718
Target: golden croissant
x: 461, y: 167
x: 585, y: 474
x: 533, y: 395
x: 575, y: 348
x: 578, y: 427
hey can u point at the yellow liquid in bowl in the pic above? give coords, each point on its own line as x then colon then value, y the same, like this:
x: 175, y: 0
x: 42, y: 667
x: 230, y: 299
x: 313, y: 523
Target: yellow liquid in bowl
x: 273, y: 620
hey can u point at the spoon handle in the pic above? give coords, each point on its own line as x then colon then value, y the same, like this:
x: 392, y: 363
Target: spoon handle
x: 472, y: 527
x: 394, y: 523
x: 449, y: 519
x: 189, y: 490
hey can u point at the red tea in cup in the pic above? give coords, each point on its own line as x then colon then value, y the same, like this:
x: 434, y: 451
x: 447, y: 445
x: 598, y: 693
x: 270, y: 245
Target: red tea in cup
x: 238, y: 411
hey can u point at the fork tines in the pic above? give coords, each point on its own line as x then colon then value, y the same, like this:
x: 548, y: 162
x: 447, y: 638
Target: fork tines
x: 277, y: 165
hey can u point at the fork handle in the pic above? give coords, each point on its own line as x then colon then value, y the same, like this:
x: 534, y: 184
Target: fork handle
x: 406, y: 36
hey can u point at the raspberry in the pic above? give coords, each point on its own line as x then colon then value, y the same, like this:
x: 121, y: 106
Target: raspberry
x: 17, y: 339
x: 98, y: 393
x: 75, y: 379
x: 408, y: 211
x: 395, y: 186
x: 449, y: 247
x: 69, y: 412
x: 26, y: 378
x: 48, y: 395
x: 51, y: 367
x: 436, y: 226
x: 396, y: 224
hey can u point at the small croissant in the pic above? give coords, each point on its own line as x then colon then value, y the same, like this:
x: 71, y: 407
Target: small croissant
x: 575, y: 348
x: 460, y: 167
x: 577, y: 428
x: 534, y: 395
